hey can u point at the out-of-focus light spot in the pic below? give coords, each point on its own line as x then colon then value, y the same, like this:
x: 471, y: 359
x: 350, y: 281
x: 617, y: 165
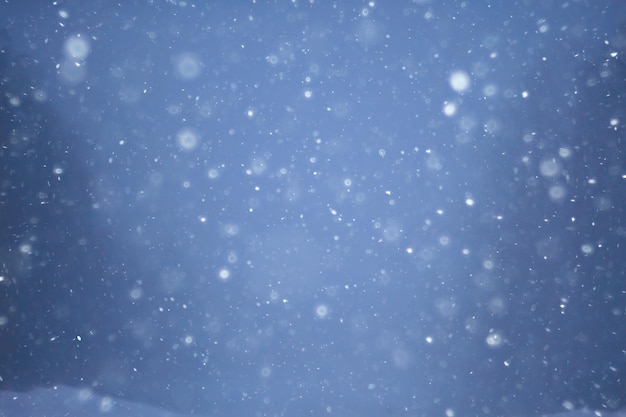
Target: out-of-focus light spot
x: 71, y: 71
x: 392, y: 231
x: 494, y: 339
x: 467, y: 123
x: 106, y: 405
x: 490, y: 90
x: 543, y: 26
x: 460, y: 81
x: 213, y: 173
x: 321, y: 311
x: 491, y: 126
x: 565, y: 152
x: 188, y: 66
x: 401, y: 358
x: 76, y: 48
x: 40, y: 96
x: 497, y: 306
x: 136, y: 293
x: 557, y: 193
x: 257, y: 167
x: 187, y: 139
x: 266, y: 371
x: 26, y: 249
x: 550, y: 167
x: 224, y: 274
x: 449, y: 109
x: 587, y: 249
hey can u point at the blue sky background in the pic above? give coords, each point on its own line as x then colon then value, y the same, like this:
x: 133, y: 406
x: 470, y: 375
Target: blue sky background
x: 289, y: 208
